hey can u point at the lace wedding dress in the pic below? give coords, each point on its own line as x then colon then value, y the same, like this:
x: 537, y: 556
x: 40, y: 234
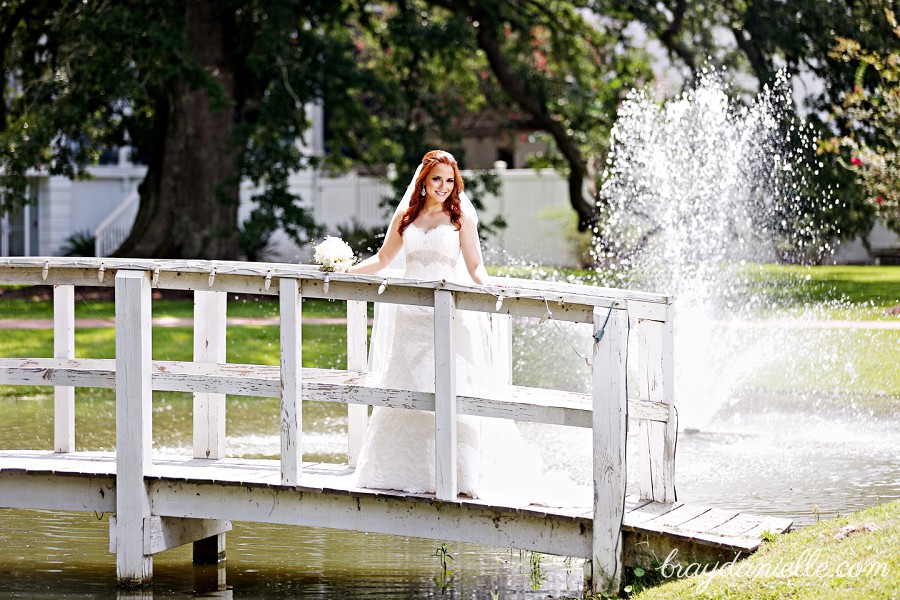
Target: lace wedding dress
x: 398, y: 453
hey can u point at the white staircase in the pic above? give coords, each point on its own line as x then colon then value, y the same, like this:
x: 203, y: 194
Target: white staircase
x: 113, y: 230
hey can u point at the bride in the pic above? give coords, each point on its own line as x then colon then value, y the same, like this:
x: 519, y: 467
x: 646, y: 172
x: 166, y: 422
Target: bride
x: 435, y: 229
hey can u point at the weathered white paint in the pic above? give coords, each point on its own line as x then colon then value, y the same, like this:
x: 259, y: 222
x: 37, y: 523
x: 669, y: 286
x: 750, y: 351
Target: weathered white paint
x: 357, y: 414
x: 165, y: 533
x: 656, y: 438
x: 444, y: 396
x: 291, y: 381
x: 609, y: 419
x: 64, y: 348
x: 538, y: 405
x: 28, y: 270
x: 49, y: 490
x: 378, y: 513
x: 209, y: 347
x: 134, y: 411
x: 134, y: 374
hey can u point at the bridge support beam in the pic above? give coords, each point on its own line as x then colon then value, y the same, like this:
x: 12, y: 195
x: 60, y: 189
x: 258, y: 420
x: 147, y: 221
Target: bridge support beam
x: 134, y: 410
x: 656, y: 383
x: 210, y: 312
x: 64, y: 347
x: 610, y: 414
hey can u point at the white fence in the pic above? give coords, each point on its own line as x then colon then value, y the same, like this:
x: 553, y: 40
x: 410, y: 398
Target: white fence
x: 534, y: 203
x: 144, y: 503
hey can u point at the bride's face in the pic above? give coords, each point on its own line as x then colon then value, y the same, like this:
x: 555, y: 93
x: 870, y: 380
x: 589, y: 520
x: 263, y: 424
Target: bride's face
x: 439, y: 182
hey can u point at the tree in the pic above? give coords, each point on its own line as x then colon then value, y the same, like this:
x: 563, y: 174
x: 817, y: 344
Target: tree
x: 873, y: 118
x: 205, y: 92
x: 210, y: 93
x: 565, y: 72
x: 769, y: 35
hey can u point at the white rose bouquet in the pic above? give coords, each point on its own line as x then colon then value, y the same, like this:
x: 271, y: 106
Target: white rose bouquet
x: 334, y: 254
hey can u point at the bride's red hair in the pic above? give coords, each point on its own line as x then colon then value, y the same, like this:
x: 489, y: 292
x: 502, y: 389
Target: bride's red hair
x: 417, y: 202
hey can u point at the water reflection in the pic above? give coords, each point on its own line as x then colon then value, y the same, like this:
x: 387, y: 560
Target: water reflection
x: 764, y: 453
x: 265, y: 561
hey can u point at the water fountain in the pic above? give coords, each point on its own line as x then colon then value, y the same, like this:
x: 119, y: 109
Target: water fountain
x: 698, y: 193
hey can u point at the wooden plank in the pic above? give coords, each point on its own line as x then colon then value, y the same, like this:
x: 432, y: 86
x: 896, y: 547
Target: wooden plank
x: 634, y: 503
x: 357, y: 414
x: 609, y: 419
x: 656, y: 439
x: 708, y: 520
x: 209, y: 347
x: 674, y: 518
x: 166, y: 533
x: 329, y: 385
x: 264, y: 278
x: 291, y: 381
x: 771, y: 524
x: 64, y: 348
x: 649, y: 511
x: 445, y: 396
x: 46, y: 491
x: 736, y: 526
x: 374, y: 512
x: 134, y: 412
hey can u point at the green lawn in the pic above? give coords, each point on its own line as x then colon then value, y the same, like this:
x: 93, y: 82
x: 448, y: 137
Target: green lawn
x: 238, y: 306
x: 848, y: 557
x: 832, y: 292
x: 324, y: 346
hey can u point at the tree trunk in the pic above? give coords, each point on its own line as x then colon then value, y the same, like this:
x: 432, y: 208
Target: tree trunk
x: 189, y: 198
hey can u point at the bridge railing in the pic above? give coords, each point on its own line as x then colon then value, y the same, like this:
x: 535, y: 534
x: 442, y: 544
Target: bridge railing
x: 614, y: 314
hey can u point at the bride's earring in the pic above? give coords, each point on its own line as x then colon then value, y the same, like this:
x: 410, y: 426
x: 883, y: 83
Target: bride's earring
x: 423, y: 190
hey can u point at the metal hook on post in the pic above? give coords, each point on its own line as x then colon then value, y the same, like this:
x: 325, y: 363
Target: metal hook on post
x: 101, y: 272
x: 212, y: 277
x: 46, y: 270
x: 155, y: 279
x: 268, y: 282
x: 499, y: 303
x: 382, y: 287
x: 325, y: 284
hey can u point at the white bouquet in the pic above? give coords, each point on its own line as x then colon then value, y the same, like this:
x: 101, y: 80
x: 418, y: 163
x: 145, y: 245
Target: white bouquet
x: 333, y: 254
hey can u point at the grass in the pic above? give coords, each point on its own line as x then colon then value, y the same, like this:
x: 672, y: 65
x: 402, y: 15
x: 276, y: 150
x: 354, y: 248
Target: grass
x: 835, y: 292
x: 323, y: 346
x: 238, y: 306
x: 848, y: 557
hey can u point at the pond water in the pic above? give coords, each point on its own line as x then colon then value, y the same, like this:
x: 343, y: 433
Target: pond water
x: 759, y: 454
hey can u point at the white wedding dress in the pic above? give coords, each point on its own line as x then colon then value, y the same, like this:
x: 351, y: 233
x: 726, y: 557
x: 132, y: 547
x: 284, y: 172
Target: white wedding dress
x: 398, y: 453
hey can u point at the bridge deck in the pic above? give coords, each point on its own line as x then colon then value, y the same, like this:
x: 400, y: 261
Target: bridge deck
x: 173, y: 479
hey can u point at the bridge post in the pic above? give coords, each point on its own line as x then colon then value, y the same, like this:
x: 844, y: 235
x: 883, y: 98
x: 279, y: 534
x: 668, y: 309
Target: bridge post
x: 444, y: 396
x: 291, y: 340
x: 134, y: 412
x: 64, y: 347
x: 609, y: 428
x: 357, y: 414
x: 210, y: 310
x: 656, y: 439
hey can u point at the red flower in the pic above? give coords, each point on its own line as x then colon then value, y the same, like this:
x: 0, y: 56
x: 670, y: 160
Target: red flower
x: 856, y: 161
x: 855, y: 88
x: 879, y: 199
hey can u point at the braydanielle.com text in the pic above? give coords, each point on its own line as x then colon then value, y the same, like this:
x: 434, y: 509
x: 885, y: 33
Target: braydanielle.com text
x: 808, y: 564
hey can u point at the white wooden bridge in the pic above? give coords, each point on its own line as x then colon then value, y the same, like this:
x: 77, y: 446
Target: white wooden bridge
x: 160, y: 503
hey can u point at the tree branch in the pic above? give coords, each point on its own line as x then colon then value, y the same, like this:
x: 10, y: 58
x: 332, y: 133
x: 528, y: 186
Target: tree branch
x: 517, y: 90
x: 669, y: 37
x: 6, y: 34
